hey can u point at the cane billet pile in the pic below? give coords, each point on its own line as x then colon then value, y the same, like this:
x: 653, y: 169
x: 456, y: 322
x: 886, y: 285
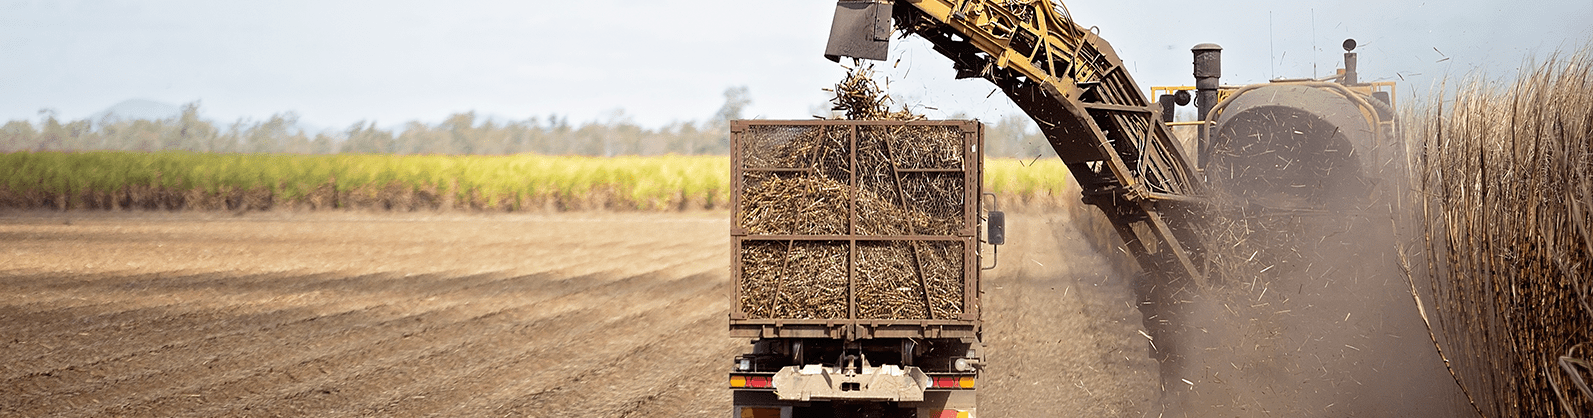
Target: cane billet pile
x: 808, y: 181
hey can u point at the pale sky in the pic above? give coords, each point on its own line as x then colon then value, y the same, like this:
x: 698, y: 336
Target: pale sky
x: 336, y: 62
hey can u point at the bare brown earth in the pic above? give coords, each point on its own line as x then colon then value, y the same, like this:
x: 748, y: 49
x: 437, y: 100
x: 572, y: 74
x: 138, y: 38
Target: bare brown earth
x: 368, y: 314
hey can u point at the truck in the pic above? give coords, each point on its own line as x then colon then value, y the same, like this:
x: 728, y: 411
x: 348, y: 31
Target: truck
x: 855, y: 267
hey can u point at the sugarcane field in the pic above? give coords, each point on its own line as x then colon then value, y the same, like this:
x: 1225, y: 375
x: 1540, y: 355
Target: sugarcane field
x: 924, y: 209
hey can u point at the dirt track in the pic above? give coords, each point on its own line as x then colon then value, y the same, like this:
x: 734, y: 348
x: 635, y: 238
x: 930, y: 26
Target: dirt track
x: 337, y: 314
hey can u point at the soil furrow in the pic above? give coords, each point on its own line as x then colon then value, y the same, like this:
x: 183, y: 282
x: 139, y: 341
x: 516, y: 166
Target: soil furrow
x: 355, y: 314
x: 158, y: 362
x: 408, y: 317
x: 372, y: 373
x: 626, y: 381
x: 234, y: 315
x: 524, y: 355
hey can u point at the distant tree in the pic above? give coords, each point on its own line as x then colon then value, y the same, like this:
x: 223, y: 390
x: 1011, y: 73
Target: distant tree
x: 190, y: 133
x: 364, y: 138
x: 736, y: 100
x: 52, y: 136
x: 323, y: 144
x: 555, y: 137
x: 614, y: 133
x: 491, y: 139
x: 588, y: 140
x: 417, y: 138
x: 134, y: 135
x: 298, y: 143
x: 18, y: 135
x: 57, y: 136
x: 80, y: 135
x: 619, y: 134
x: 522, y: 136
x: 232, y: 139
x: 675, y: 137
x: 460, y: 130
x: 271, y: 135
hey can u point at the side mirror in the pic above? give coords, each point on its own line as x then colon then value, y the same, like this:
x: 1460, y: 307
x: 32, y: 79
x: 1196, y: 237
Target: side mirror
x: 997, y: 235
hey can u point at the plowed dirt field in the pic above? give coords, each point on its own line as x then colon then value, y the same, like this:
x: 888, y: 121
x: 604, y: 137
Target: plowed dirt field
x: 366, y: 314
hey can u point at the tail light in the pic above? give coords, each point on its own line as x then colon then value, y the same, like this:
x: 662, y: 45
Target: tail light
x: 751, y: 382
x: 954, y: 382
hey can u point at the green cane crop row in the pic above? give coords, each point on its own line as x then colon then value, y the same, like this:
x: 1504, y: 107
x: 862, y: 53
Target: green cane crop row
x: 487, y: 182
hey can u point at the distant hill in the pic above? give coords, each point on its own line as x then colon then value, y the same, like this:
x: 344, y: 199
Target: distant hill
x: 137, y: 109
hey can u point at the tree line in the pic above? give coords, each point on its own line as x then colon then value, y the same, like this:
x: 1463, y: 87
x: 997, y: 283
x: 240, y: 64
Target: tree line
x: 458, y: 134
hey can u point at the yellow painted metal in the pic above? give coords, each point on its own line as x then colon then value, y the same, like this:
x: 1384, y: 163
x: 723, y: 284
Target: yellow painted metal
x: 1379, y: 86
x: 1364, y: 89
x: 1222, y: 92
x: 1139, y: 160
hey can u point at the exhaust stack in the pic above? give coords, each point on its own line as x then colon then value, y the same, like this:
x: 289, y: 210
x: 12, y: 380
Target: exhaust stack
x: 1208, y: 68
x: 1350, y: 78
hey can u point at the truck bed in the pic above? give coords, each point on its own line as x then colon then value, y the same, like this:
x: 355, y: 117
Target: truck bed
x: 855, y: 229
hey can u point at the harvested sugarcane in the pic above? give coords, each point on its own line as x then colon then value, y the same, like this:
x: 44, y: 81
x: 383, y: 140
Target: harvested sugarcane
x: 879, y: 211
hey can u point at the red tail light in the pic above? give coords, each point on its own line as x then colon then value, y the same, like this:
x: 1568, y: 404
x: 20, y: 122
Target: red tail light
x: 760, y: 382
x: 954, y: 382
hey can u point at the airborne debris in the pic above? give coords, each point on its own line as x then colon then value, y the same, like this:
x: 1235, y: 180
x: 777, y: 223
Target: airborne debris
x: 860, y: 98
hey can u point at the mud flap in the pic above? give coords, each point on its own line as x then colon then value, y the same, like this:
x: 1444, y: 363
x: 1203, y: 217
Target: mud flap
x: 861, y: 29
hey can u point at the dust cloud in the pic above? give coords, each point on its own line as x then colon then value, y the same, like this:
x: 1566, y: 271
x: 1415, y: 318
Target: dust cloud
x: 1306, y: 311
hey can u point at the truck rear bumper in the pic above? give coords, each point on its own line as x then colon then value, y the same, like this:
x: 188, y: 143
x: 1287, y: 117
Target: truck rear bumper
x: 884, y: 383
x: 936, y: 404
